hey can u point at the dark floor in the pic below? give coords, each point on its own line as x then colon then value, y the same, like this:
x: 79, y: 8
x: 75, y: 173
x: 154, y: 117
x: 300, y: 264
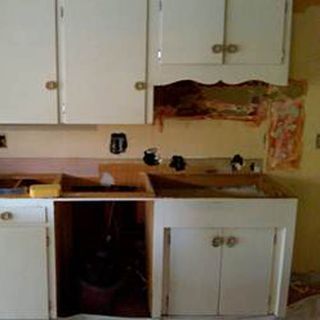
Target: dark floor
x: 303, y: 286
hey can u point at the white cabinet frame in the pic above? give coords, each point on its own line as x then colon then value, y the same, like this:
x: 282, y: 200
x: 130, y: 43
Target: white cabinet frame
x: 225, y: 213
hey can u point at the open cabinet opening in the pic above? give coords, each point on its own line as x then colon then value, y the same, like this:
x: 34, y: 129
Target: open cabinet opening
x: 101, y: 258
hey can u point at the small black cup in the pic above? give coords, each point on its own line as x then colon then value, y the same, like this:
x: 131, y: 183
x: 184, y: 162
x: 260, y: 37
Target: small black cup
x: 118, y: 143
x: 178, y: 163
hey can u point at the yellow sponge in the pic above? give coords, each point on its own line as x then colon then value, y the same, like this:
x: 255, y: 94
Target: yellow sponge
x: 45, y: 190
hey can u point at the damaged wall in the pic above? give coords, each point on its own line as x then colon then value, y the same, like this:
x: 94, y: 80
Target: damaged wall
x: 306, y: 181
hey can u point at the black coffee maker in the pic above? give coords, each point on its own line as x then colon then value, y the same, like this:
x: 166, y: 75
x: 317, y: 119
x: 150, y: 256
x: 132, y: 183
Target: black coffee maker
x: 118, y: 143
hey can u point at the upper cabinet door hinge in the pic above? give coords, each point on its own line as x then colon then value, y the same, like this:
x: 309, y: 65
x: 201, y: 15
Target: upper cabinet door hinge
x: 275, y: 238
x: 160, y: 5
x: 269, y: 302
x: 61, y: 12
x: 47, y: 241
x: 167, y: 237
x: 283, y: 55
x: 286, y: 8
x: 63, y: 113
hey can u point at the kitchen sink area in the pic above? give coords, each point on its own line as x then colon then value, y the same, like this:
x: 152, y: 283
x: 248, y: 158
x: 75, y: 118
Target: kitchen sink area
x: 77, y: 187
x: 215, y: 185
x: 144, y: 185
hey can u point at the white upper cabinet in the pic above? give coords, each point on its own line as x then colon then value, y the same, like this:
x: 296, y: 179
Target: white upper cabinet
x: 103, y: 61
x: 180, y: 41
x: 28, y: 62
x: 256, y: 30
x: 213, y: 40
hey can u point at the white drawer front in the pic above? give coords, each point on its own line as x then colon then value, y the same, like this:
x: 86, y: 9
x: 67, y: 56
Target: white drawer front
x: 26, y: 214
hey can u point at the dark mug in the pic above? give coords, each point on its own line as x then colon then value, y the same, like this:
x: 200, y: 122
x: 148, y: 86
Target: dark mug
x: 178, y: 163
x: 151, y: 157
x: 118, y: 143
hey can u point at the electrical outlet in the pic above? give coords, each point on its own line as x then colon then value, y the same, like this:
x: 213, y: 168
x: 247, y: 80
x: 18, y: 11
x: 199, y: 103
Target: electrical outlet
x: 3, y: 141
x: 318, y: 141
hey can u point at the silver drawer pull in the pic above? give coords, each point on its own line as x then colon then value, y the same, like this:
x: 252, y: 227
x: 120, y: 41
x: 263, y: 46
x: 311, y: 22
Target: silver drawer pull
x: 217, y: 242
x: 6, y: 216
x: 232, y: 48
x: 217, y: 48
x: 140, y: 85
x: 232, y: 242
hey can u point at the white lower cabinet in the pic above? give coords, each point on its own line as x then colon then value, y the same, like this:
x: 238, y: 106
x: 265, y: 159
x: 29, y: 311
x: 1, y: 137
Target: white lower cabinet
x: 221, y: 257
x: 219, y: 271
x: 23, y: 267
x: 246, y: 271
x: 191, y: 259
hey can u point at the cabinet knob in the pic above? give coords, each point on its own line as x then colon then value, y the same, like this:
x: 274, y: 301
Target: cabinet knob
x: 232, y: 48
x: 140, y: 85
x: 231, y: 242
x: 6, y: 216
x: 217, y: 48
x: 51, y: 85
x: 217, y: 242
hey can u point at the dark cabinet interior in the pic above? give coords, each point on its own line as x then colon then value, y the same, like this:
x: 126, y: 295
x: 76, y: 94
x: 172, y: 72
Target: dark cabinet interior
x: 101, y: 258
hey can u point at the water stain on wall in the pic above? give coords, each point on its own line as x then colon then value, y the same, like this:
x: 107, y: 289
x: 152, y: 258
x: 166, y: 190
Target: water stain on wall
x: 286, y: 126
x: 191, y: 100
x: 252, y: 102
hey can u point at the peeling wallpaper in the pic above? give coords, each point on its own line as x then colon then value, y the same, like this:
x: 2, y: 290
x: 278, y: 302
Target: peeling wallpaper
x: 252, y: 102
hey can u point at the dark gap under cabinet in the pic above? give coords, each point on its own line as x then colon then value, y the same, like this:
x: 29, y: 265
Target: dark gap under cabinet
x: 101, y: 258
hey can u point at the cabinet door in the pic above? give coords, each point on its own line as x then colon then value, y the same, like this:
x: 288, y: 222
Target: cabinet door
x: 23, y: 273
x: 257, y: 28
x: 28, y: 61
x: 194, y: 267
x: 246, y: 272
x: 103, y: 56
x: 189, y: 29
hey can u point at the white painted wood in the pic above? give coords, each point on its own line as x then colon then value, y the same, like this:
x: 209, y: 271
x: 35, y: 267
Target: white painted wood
x: 23, y: 214
x: 160, y: 73
x: 257, y: 27
x: 27, y: 213
x: 246, y: 272
x: 103, y: 55
x: 28, y: 61
x: 23, y: 273
x: 183, y: 43
x: 229, y: 213
x: 194, y: 272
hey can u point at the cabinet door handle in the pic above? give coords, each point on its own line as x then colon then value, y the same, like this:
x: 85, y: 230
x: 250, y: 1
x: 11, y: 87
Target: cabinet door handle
x: 217, y: 48
x: 232, y: 242
x: 140, y: 85
x: 51, y: 85
x: 232, y: 48
x: 217, y: 242
x: 6, y: 216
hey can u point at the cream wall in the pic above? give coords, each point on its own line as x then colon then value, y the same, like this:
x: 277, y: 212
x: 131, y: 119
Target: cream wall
x: 209, y: 139
x: 189, y: 138
x: 306, y: 181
